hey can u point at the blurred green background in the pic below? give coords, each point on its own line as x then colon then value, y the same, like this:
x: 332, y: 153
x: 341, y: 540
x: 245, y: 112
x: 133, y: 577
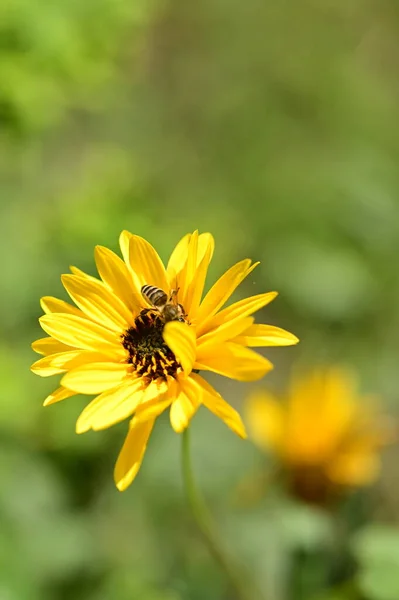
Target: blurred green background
x: 272, y: 125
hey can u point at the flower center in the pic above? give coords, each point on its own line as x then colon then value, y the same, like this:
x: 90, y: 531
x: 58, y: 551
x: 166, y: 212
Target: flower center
x: 148, y: 353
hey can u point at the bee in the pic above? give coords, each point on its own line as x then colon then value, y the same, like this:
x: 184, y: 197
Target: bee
x: 168, y: 307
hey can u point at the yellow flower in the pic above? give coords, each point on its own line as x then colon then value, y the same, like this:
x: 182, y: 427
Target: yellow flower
x: 115, y: 344
x: 325, y: 434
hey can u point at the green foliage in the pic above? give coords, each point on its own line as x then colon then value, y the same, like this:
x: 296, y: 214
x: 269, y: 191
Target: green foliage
x: 56, y: 57
x: 377, y: 550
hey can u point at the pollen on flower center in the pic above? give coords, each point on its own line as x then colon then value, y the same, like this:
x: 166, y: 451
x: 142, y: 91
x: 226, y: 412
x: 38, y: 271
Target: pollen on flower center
x: 148, y: 353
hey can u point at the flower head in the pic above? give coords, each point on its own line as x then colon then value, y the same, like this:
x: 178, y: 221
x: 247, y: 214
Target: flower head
x: 325, y: 435
x: 138, y: 337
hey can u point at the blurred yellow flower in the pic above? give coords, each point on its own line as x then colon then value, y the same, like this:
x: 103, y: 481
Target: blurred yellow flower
x: 117, y: 344
x: 325, y: 434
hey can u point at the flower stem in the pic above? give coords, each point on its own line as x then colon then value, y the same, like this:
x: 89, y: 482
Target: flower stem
x: 205, y: 525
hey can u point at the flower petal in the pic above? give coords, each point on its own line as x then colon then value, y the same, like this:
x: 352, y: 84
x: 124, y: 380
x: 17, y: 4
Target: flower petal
x: 111, y: 406
x: 225, y: 332
x: 132, y: 453
x: 50, y: 305
x: 145, y: 264
x: 158, y: 396
x: 95, y: 378
x: 357, y: 468
x: 186, y: 275
x: 49, y: 345
x: 98, y: 302
x: 234, y: 361
x: 59, y: 394
x: 206, y: 242
x: 154, y: 391
x: 322, y: 411
x: 194, y: 293
x: 181, y: 340
x: 181, y: 412
x: 82, y: 333
x: 177, y: 259
x: 243, y: 308
x: 221, y: 291
x: 265, y: 417
x: 266, y: 335
x: 215, y: 403
x: 54, y: 364
x: 44, y: 369
x: 185, y: 405
x: 116, y: 276
x: 81, y: 273
x: 124, y: 243
x: 148, y: 411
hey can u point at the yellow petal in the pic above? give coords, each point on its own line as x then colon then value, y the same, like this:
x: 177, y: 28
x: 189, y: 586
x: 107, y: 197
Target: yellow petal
x: 321, y: 413
x: 95, y: 378
x: 181, y: 412
x: 54, y: 364
x: 50, y: 305
x: 132, y: 453
x: 196, y: 287
x: 221, y: 291
x: 215, y: 403
x: 266, y: 335
x: 358, y: 468
x: 187, y: 269
x: 154, y: 391
x: 98, y: 302
x: 181, y: 340
x: 222, y: 333
x: 185, y: 405
x: 59, y: 394
x: 49, y: 345
x: 243, y: 308
x: 82, y: 333
x: 145, y: 264
x: 149, y: 410
x: 111, y: 406
x: 191, y: 389
x: 186, y: 275
x: 234, y: 361
x: 81, y: 273
x: 177, y: 260
x: 206, y: 243
x: 154, y: 400
x: 44, y: 369
x: 265, y: 419
x: 157, y: 397
x: 124, y: 243
x: 116, y: 276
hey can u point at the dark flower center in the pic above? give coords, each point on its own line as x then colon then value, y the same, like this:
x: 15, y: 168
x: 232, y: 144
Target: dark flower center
x: 148, y: 353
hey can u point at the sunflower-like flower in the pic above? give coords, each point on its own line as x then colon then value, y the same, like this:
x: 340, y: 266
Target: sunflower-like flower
x: 138, y: 358
x: 326, y: 437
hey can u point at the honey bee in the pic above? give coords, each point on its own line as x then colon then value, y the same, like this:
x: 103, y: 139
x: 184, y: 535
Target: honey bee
x: 168, y: 307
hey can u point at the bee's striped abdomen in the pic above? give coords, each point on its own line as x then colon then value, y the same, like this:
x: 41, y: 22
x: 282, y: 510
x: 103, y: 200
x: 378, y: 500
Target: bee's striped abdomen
x: 154, y: 295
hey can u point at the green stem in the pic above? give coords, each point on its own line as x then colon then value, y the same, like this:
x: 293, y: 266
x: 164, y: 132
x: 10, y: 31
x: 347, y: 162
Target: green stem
x: 205, y: 525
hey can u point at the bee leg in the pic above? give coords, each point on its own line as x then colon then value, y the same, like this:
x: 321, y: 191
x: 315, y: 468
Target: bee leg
x: 173, y: 294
